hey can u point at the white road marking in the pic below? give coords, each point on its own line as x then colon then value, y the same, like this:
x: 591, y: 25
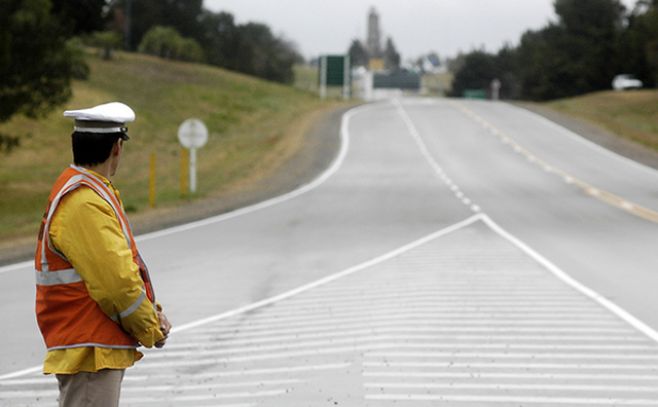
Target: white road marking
x: 584, y: 141
x: 450, y: 290
x: 515, y: 355
x: 127, y: 389
x: 423, y: 313
x: 329, y: 172
x: 330, y: 278
x: 502, y: 365
x: 614, y: 308
x: 507, y: 386
x: 216, y: 396
x: 17, y: 266
x: 22, y: 372
x: 255, y: 372
x: 394, y: 321
x: 511, y: 399
x: 516, y: 376
x: 402, y: 344
x: 627, y: 205
x: 415, y: 134
x: 560, y: 274
x: 438, y: 331
x: 604, y: 196
x: 247, y: 339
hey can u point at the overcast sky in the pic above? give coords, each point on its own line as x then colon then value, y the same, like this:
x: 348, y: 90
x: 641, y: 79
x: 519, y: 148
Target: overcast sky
x: 416, y: 26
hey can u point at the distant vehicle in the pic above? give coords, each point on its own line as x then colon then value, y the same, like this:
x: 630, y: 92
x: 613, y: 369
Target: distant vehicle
x: 626, y: 81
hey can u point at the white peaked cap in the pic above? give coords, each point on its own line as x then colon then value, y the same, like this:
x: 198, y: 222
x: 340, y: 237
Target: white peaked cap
x: 105, y: 118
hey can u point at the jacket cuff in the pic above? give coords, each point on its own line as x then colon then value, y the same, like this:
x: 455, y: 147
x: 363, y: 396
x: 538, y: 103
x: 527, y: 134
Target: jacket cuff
x: 150, y: 337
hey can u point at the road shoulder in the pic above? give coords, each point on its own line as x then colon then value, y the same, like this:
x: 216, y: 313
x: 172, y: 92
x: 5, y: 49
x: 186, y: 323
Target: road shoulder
x: 597, y: 134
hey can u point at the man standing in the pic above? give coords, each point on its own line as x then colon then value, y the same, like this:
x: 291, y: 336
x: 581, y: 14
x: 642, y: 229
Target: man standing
x: 94, y: 303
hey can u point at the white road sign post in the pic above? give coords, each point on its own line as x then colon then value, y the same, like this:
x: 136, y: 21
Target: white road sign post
x: 192, y: 134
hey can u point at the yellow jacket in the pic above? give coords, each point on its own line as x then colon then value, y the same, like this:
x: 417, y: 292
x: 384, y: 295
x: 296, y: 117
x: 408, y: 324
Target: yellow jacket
x: 86, y: 230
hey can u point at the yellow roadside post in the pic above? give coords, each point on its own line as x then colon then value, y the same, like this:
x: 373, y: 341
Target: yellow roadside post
x: 184, y: 167
x: 152, y: 181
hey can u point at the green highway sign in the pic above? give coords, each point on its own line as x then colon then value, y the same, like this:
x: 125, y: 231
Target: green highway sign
x: 335, y: 71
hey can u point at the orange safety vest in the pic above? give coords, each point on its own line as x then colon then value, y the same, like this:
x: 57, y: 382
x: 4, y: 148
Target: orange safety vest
x: 67, y: 315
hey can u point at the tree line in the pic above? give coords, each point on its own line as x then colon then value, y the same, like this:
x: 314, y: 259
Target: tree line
x: 591, y: 42
x: 210, y: 37
x: 41, y: 45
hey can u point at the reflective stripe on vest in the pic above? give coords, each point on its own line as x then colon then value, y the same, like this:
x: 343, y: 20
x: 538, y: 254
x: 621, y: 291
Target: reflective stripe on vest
x: 71, y: 184
x: 66, y: 276
x: 128, y: 311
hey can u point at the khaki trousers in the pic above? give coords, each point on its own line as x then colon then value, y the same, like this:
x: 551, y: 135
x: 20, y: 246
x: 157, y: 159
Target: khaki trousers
x: 100, y: 389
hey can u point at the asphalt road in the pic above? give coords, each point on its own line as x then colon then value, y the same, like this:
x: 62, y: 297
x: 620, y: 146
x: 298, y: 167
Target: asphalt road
x: 454, y: 250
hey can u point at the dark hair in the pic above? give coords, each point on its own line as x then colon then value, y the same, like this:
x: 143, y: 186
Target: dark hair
x: 93, y: 148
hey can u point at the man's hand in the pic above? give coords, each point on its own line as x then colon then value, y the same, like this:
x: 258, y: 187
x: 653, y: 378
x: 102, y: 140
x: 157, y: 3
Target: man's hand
x: 165, y: 327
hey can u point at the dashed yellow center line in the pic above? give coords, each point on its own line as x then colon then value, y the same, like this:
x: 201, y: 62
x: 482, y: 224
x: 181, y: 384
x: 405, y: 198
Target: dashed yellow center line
x: 598, y: 193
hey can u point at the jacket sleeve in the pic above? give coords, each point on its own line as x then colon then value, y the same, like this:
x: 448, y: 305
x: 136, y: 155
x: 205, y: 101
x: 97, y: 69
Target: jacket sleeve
x: 86, y: 230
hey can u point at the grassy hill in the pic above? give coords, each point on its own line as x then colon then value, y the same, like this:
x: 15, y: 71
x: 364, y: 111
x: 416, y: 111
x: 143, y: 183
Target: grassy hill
x: 254, y: 126
x: 632, y: 114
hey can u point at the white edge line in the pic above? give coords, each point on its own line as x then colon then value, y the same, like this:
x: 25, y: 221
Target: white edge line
x: 333, y: 277
x: 563, y: 276
x: 23, y: 372
x: 16, y: 266
x: 335, y: 165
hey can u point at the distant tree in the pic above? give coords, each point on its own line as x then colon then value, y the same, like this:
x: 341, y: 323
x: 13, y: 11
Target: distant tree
x: 456, y: 63
x: 182, y: 15
x: 358, y: 54
x: 166, y: 42
x: 190, y: 51
x: 262, y: 54
x: 35, y: 64
x: 219, y: 38
x: 80, y: 69
x: 507, y: 71
x: 80, y: 16
x: 638, y: 46
x: 592, y: 29
x: 249, y: 48
x: 477, y: 72
x: 391, y: 56
x: 106, y: 42
x: 575, y: 55
x: 591, y: 41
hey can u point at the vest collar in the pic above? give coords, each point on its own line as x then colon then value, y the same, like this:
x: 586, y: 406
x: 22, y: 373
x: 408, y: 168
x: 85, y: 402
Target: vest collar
x: 92, y: 173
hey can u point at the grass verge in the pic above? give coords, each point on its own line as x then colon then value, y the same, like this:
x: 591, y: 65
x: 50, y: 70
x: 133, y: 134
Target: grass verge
x: 632, y: 114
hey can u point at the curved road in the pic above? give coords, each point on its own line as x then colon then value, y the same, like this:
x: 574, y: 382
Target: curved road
x: 433, y: 208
